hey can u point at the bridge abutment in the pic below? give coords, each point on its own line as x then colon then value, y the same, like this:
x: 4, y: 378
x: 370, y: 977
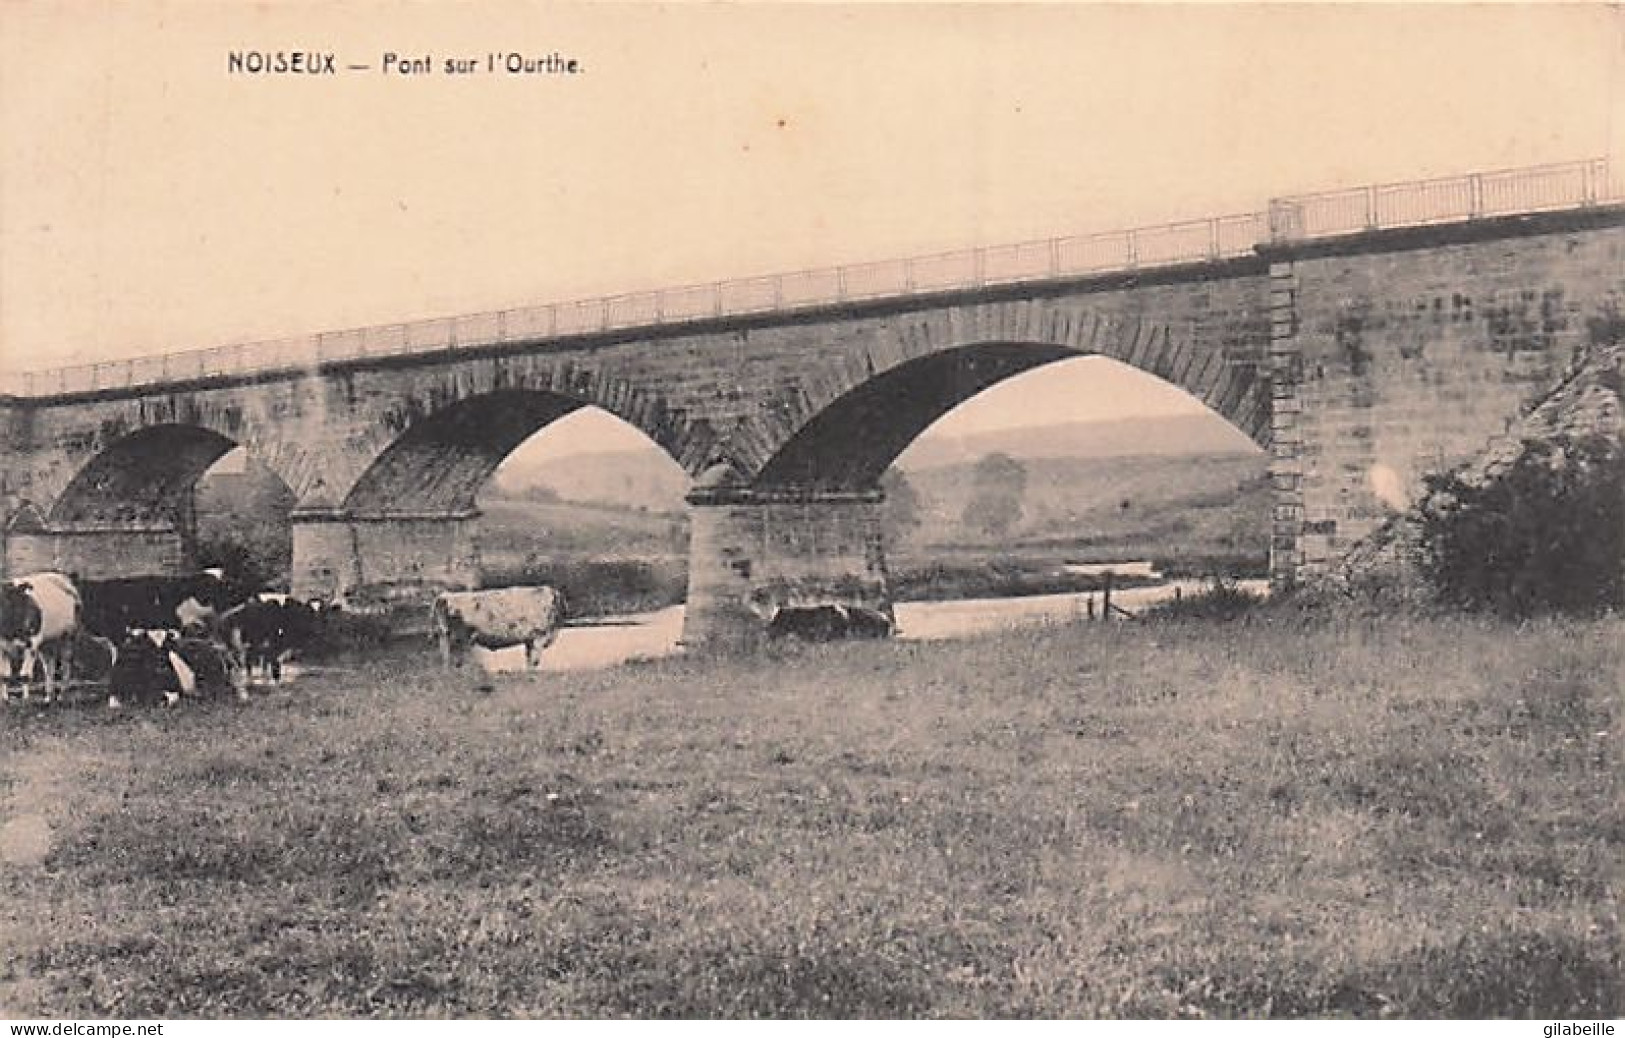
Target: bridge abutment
x: 754, y: 551
x: 1395, y: 355
x: 336, y: 552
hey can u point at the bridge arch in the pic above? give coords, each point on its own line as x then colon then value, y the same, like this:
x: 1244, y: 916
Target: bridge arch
x: 121, y: 503
x: 847, y: 444
x: 856, y: 410
x: 435, y: 435
x: 801, y: 521
x: 143, y: 477
x: 439, y: 462
x: 408, y: 520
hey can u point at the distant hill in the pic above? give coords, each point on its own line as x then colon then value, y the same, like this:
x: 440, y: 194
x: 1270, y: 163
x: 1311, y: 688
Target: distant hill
x: 1207, y: 503
x: 636, y: 480
x: 1205, y: 434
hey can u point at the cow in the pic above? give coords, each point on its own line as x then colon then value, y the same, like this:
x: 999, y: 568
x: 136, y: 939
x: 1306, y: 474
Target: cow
x: 149, y: 670
x: 829, y: 622
x: 93, y: 658
x: 154, y: 666
x: 497, y: 619
x: 214, y: 666
x: 264, y: 630
x: 39, y: 618
x: 193, y: 602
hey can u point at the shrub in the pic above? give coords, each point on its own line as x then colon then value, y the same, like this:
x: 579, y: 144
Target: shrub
x: 596, y: 587
x: 1222, y: 600
x: 257, y: 562
x: 1547, y: 536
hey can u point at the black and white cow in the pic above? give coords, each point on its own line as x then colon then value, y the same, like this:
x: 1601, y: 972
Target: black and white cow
x: 165, y: 666
x: 829, y: 622
x: 39, y: 619
x: 148, y: 670
x: 193, y: 602
x: 266, y: 629
x: 497, y: 619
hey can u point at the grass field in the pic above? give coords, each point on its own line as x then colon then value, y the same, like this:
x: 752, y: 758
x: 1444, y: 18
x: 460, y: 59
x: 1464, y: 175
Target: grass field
x: 1376, y: 818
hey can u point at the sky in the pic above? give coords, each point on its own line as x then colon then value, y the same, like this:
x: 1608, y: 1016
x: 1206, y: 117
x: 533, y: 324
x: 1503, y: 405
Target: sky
x: 152, y: 200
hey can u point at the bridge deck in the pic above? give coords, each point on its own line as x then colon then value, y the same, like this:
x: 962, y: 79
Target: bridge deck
x: 1328, y: 215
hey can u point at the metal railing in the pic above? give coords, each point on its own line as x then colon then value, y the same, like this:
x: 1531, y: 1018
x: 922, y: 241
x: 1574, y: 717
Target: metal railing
x: 1419, y: 203
x: 1287, y: 220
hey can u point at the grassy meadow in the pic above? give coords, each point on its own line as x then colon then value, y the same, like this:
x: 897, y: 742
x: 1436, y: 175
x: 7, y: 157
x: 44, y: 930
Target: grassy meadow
x: 1378, y: 817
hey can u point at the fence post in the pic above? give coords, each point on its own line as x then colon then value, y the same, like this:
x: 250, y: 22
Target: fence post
x: 1370, y: 208
x: 1133, y: 249
x: 840, y: 284
x: 1475, y: 196
x: 1213, y: 238
x: 716, y: 298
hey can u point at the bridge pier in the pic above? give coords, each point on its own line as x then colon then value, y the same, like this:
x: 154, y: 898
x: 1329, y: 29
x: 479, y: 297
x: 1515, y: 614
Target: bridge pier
x: 336, y: 552
x: 99, y: 552
x: 753, y: 551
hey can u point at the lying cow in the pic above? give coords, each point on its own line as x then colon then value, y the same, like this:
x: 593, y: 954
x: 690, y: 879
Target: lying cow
x: 497, y: 619
x: 93, y: 658
x: 39, y: 619
x: 823, y: 623
x: 162, y: 666
x: 267, y: 628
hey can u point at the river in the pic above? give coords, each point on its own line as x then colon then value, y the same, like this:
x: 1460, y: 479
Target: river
x: 656, y: 634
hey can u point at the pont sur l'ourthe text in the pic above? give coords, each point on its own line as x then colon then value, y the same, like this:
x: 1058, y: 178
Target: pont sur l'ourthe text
x: 511, y: 62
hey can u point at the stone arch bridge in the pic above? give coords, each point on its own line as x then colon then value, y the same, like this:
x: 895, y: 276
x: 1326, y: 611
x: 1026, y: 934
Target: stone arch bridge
x: 1395, y: 330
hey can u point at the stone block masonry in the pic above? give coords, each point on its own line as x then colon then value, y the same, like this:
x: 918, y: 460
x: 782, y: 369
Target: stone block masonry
x: 1405, y: 353
x: 752, y: 553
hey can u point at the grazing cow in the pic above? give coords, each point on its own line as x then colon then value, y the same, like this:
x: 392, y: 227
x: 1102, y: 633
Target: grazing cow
x: 195, y: 602
x: 263, y: 631
x: 497, y: 619
x: 39, y: 617
x: 824, y: 623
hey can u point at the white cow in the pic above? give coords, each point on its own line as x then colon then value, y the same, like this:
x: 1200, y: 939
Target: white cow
x: 497, y: 619
x: 39, y: 617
